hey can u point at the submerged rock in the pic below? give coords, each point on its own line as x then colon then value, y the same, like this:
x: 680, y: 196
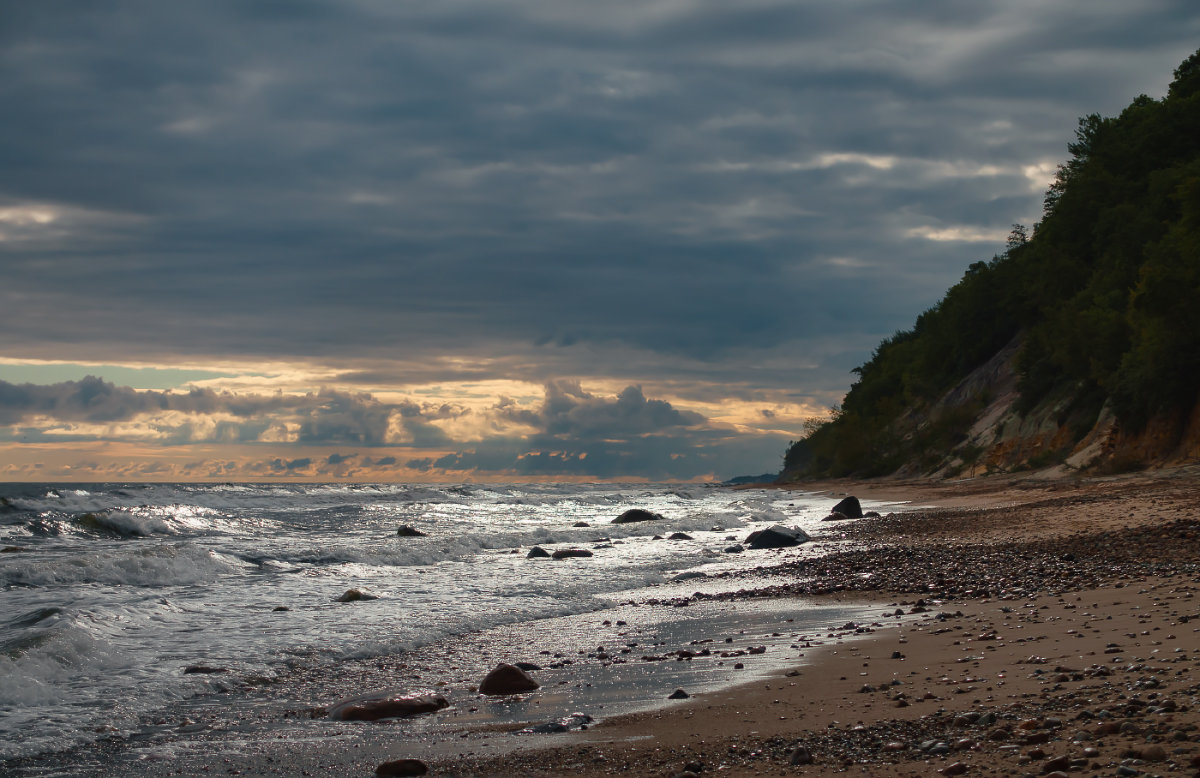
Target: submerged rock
x: 507, y: 679
x: 355, y: 595
x: 407, y: 531
x: 777, y: 536
x: 636, y: 514
x: 387, y: 707
x: 537, y: 552
x: 567, y: 553
x: 574, y: 721
x: 203, y: 670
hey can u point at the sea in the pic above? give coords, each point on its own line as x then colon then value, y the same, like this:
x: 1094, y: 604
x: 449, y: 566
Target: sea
x: 109, y: 593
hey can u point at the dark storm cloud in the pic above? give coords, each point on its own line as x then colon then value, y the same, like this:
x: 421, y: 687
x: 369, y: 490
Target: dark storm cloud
x: 201, y: 415
x: 554, y: 181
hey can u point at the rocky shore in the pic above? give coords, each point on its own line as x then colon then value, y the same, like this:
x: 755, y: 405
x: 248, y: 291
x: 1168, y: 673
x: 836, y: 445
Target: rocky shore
x: 1023, y: 628
x: 1058, y: 634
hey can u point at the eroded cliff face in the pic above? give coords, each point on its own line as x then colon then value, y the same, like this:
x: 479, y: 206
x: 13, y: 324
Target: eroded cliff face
x: 1051, y: 437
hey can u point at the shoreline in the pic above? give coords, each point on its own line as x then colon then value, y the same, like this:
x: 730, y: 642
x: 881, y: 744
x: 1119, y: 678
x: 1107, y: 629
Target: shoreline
x: 986, y: 586
x: 1089, y: 660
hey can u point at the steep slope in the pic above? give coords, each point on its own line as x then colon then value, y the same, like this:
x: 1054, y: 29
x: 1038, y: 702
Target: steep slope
x: 1077, y: 347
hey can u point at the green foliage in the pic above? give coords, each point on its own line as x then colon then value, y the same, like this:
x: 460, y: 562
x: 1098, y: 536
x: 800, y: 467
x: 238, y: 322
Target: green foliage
x: 1106, y: 295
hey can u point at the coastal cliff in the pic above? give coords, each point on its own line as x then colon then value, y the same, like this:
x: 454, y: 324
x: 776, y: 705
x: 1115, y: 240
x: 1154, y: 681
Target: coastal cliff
x: 1076, y: 349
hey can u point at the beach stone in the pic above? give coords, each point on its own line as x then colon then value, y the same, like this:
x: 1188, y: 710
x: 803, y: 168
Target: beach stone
x: 636, y: 514
x: 569, y: 553
x: 368, y: 709
x: 776, y: 536
x: 1154, y: 753
x: 955, y: 768
x: 678, y: 694
x: 401, y: 767
x: 849, y: 508
x: 680, y: 536
x: 581, y: 524
x: 408, y: 531
x: 800, y: 756
x: 528, y: 667
x: 280, y: 608
x: 735, y: 549
x: 537, y: 552
x: 507, y: 679
x: 835, y: 516
x: 203, y: 670
x: 11, y: 550
x: 690, y: 574
x: 1057, y: 764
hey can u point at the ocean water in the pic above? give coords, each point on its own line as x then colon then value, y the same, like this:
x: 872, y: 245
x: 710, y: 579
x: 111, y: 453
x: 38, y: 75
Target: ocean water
x: 118, y: 588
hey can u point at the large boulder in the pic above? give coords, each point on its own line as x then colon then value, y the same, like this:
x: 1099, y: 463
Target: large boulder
x: 401, y: 767
x: 386, y: 707
x: 636, y: 514
x: 507, y: 679
x: 849, y: 508
x: 776, y: 536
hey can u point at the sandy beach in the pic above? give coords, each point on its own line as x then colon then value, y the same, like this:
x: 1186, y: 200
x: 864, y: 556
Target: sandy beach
x: 1056, y: 631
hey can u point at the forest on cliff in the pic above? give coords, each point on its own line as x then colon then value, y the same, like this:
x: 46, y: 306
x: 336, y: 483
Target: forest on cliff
x: 1101, y: 300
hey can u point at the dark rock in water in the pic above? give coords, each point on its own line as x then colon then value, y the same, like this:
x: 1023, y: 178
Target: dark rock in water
x: 849, y: 507
x: 636, y: 514
x: 574, y: 721
x: 690, y: 574
x: 507, y: 679
x: 401, y: 767
x: 835, y: 516
x: 406, y: 531
x: 776, y: 536
x: 581, y: 524
x: 734, y: 549
x: 203, y: 670
x: 280, y: 608
x: 871, y: 515
x: 680, y: 536
x: 678, y: 694
x: 537, y: 552
x: 528, y: 667
x: 387, y: 707
x: 11, y: 550
x: 355, y: 595
x: 567, y: 553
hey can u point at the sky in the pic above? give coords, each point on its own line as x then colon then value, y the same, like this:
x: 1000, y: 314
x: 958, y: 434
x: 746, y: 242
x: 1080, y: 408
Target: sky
x: 506, y: 239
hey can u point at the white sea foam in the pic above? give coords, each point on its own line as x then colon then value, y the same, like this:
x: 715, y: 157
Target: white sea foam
x: 106, y: 611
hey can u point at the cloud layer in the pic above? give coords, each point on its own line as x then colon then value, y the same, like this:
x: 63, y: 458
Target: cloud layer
x: 572, y: 432
x: 738, y: 198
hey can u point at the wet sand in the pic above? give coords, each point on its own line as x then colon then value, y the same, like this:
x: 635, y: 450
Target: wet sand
x: 1060, y: 634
